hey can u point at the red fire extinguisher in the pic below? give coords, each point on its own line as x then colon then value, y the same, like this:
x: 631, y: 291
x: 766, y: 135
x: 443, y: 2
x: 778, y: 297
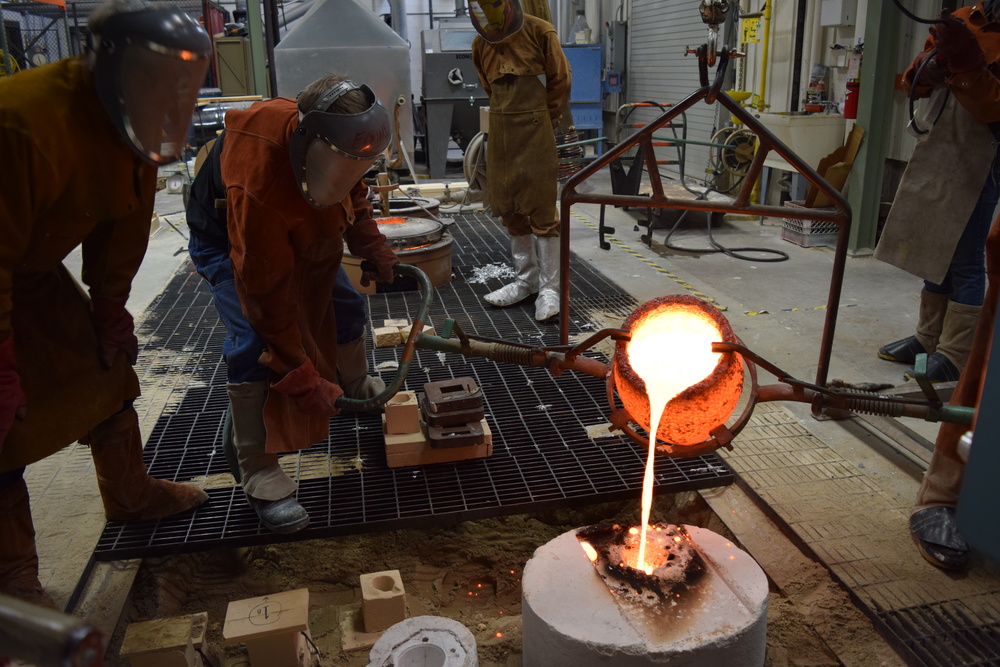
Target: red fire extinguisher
x: 851, y: 99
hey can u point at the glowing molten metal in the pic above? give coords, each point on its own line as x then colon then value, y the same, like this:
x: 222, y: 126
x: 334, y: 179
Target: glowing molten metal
x: 670, y: 354
x: 672, y: 383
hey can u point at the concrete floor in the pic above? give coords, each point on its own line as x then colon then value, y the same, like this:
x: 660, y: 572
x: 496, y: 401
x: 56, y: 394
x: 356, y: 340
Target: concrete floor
x: 776, y: 308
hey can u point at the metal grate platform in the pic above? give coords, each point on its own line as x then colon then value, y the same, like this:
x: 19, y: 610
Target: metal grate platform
x: 542, y: 455
x: 946, y: 634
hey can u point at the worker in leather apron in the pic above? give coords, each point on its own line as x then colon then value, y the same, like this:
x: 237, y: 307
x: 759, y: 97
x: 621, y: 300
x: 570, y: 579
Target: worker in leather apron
x: 526, y: 75
x: 938, y: 223
x: 938, y: 230
x: 291, y: 175
x: 81, y: 140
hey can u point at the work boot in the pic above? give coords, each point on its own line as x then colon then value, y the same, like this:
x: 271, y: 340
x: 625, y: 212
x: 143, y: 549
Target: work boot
x: 935, y: 532
x: 954, y: 345
x: 18, y: 558
x: 268, y: 488
x: 547, y: 303
x: 522, y: 250
x: 126, y: 488
x: 930, y: 320
x: 352, y: 370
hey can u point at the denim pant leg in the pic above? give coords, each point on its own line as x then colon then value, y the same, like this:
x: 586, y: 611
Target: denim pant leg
x: 243, y: 346
x: 349, y: 309
x: 965, y: 281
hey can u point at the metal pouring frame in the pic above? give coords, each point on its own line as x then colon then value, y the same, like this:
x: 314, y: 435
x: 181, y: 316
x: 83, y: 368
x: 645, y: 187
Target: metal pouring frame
x: 767, y: 142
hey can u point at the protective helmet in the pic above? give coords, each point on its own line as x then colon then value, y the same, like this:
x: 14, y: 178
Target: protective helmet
x: 330, y: 152
x: 148, y: 67
x: 496, y: 20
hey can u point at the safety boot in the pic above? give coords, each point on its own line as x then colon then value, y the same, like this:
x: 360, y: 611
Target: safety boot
x: 18, y: 558
x: 935, y: 532
x: 930, y: 320
x: 522, y: 250
x: 547, y: 303
x: 352, y: 370
x: 126, y: 488
x: 955, y: 343
x: 269, y: 490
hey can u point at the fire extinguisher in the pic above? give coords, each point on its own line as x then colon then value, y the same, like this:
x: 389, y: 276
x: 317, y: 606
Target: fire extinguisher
x: 851, y: 99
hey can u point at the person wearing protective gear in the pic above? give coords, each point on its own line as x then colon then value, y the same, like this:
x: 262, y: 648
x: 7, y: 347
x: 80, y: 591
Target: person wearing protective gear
x: 289, y: 174
x: 937, y: 229
x: 512, y: 52
x: 937, y: 226
x: 81, y: 140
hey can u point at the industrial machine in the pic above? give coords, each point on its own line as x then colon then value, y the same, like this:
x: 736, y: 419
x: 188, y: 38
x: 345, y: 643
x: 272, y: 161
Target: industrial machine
x: 451, y: 93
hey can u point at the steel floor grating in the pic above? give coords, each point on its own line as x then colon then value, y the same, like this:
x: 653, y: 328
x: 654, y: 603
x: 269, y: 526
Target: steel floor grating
x: 945, y: 634
x: 542, y: 455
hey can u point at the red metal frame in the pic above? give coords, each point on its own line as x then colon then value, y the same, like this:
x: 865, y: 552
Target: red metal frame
x: 767, y: 142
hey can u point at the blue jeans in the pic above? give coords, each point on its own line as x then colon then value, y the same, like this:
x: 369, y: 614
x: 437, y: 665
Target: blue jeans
x: 965, y: 281
x: 243, y: 345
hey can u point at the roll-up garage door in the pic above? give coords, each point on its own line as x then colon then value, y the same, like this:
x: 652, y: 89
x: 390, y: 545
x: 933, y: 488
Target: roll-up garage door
x: 660, y: 31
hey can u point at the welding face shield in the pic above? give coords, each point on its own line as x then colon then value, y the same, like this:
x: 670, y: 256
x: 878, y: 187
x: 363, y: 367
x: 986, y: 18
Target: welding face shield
x: 148, y: 68
x: 496, y: 20
x: 330, y: 152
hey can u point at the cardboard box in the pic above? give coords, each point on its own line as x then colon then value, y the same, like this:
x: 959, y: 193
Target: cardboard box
x: 835, y: 168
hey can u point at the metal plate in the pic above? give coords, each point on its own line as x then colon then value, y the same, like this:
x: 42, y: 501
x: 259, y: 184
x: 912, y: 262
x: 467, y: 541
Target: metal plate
x: 403, y: 232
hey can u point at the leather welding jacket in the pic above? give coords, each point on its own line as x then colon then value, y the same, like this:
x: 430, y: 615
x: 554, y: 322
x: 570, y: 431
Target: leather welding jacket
x: 285, y: 256
x: 521, y: 158
x: 68, y: 180
x: 949, y: 164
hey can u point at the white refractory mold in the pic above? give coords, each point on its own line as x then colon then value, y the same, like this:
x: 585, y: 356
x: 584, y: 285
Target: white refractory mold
x: 570, y: 617
x: 425, y: 641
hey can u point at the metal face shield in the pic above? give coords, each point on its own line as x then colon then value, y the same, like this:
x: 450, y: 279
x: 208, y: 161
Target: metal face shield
x: 156, y: 110
x: 496, y: 20
x: 330, y: 175
x: 148, y: 68
x: 330, y: 152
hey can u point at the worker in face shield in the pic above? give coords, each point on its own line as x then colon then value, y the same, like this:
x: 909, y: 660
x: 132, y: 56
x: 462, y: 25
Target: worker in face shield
x: 937, y: 229
x: 278, y: 195
x: 526, y: 75
x: 81, y: 139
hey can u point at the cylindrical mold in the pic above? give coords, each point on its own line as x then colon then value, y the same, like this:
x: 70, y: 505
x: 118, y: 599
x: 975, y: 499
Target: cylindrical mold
x: 570, y: 616
x: 689, y: 418
x: 425, y: 641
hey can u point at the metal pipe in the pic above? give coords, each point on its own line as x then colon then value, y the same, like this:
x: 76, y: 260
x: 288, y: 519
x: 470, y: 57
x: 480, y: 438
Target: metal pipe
x: 46, y: 637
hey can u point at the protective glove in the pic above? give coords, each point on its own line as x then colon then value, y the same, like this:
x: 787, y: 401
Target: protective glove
x: 384, y: 259
x: 12, y: 401
x: 957, y: 48
x: 933, y: 73
x: 312, y: 394
x: 115, y: 329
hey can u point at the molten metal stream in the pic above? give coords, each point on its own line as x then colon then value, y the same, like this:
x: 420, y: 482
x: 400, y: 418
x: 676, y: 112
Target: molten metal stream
x: 670, y: 352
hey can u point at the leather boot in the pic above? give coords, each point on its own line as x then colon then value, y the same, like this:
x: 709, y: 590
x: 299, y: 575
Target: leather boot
x: 18, y: 559
x: 955, y: 344
x: 269, y: 490
x: 522, y: 250
x: 930, y: 320
x: 352, y: 370
x: 547, y: 304
x: 126, y: 488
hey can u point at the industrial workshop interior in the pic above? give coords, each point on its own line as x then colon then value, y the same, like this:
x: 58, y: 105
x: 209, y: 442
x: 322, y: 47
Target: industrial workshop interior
x: 689, y: 409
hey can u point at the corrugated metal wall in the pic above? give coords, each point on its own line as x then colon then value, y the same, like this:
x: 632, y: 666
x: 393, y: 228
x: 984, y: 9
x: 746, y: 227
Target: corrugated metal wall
x: 659, y: 33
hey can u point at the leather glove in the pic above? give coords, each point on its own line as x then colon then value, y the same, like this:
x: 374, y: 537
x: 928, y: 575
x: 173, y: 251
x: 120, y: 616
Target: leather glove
x: 957, y: 48
x: 115, y: 329
x: 312, y: 394
x: 933, y: 73
x: 384, y: 259
x: 12, y: 401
